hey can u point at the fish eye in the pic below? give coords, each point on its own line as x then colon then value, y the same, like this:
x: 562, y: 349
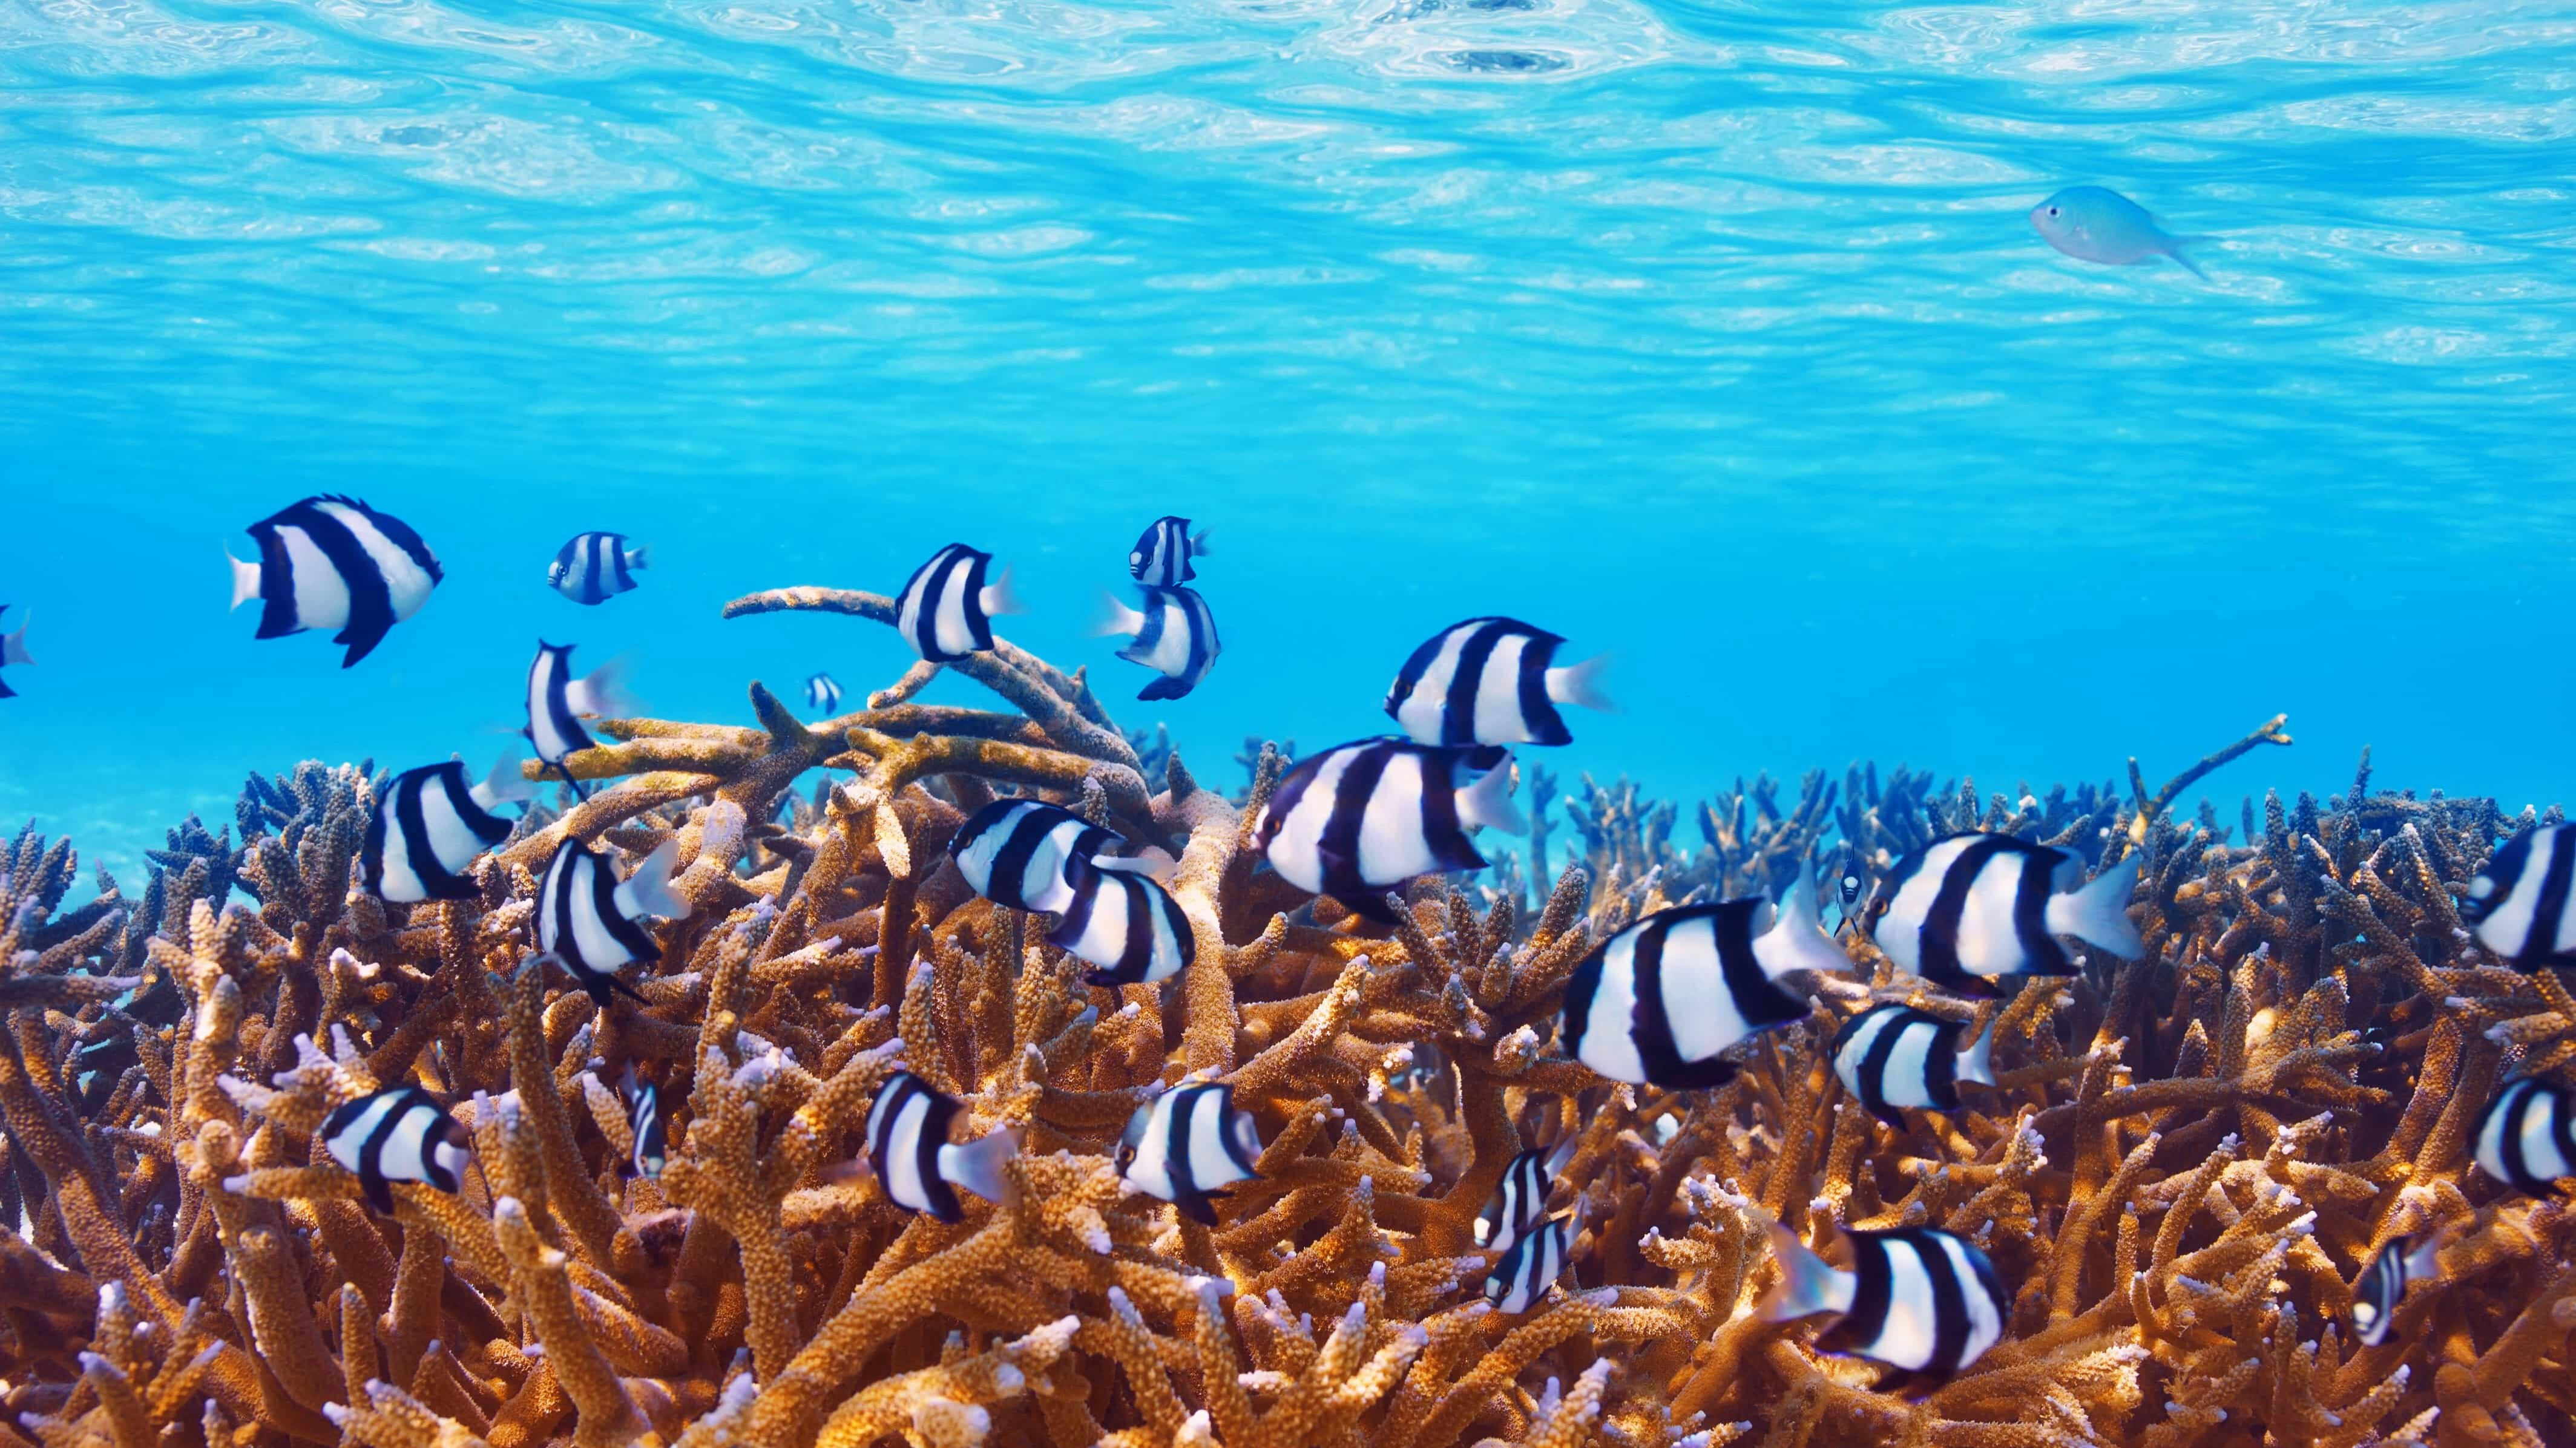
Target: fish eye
x: 2052, y: 211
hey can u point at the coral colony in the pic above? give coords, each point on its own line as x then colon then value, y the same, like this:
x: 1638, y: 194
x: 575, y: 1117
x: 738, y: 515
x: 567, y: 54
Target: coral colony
x: 688, y: 1109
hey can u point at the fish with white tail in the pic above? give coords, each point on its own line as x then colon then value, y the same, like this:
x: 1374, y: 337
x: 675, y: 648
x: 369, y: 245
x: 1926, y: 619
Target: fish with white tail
x: 400, y: 1134
x: 822, y: 695
x: 13, y: 650
x: 920, y: 1171
x: 1162, y: 555
x: 2401, y: 1262
x: 1969, y: 909
x: 2523, y: 902
x: 1666, y: 1000
x: 1175, y: 636
x: 334, y: 562
x: 1915, y: 1298
x: 596, y: 567
x: 1520, y: 1199
x: 946, y: 609
x: 592, y: 923
x: 652, y: 1149
x: 558, y: 702
x: 1523, y: 1276
x: 1186, y: 1144
x: 1362, y: 818
x: 1492, y: 681
x: 1894, y: 1059
x: 430, y: 825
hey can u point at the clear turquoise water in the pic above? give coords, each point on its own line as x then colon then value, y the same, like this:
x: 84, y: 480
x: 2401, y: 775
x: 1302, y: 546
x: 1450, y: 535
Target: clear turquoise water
x: 1710, y: 334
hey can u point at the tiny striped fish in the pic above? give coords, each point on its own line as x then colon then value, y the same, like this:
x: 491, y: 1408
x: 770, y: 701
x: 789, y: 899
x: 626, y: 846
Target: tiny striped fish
x: 2383, y: 1285
x: 1894, y: 1059
x: 596, y: 567
x: 1523, y: 1276
x: 1161, y: 557
x: 13, y: 650
x: 822, y: 695
x: 1520, y: 1200
x: 1359, y: 819
x: 558, y: 702
x: 1175, y: 636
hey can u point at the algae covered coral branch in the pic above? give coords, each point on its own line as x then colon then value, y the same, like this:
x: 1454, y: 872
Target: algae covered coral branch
x: 2189, y: 1159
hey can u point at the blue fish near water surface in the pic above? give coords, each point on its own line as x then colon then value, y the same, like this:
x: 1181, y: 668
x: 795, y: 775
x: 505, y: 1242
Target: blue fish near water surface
x: 2090, y: 223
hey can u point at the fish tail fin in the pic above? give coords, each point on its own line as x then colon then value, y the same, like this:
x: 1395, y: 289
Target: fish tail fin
x: 626, y: 1083
x: 1797, y: 940
x: 13, y: 647
x: 1199, y: 543
x: 2424, y: 1260
x: 2174, y: 248
x: 2098, y: 914
x: 1489, y: 801
x: 639, y: 555
x: 506, y: 783
x: 1977, y: 1062
x: 977, y: 1166
x: 603, y: 693
x: 1561, y: 1155
x: 648, y: 891
x: 1164, y: 687
x: 998, y: 599
x: 1580, y: 685
x: 245, y: 579
x: 1115, y: 617
x: 1808, y: 1283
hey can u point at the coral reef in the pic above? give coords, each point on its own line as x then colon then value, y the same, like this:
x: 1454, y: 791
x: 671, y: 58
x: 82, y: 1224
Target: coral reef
x: 2187, y: 1162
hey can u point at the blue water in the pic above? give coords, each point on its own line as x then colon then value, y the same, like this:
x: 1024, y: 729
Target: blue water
x: 1710, y: 334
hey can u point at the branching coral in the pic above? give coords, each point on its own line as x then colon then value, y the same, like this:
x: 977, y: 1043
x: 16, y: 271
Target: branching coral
x: 2187, y: 1162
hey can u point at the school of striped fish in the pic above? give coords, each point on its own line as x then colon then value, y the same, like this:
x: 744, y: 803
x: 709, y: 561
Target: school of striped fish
x: 1678, y: 999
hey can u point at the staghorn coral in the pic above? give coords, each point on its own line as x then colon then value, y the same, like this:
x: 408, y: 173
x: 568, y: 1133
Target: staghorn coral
x: 2186, y: 1163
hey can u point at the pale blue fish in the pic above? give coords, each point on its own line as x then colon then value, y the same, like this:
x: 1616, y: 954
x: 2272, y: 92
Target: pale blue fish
x: 2089, y: 223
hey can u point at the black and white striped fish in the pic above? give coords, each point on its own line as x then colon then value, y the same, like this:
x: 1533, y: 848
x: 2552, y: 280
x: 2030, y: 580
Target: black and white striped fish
x: 334, y: 562
x: 1492, y: 681
x: 1361, y: 818
x: 1523, y: 1276
x: 596, y: 567
x: 1915, y: 1297
x: 1894, y: 1059
x: 1175, y: 636
x: 396, y: 1135
x: 592, y: 924
x: 1520, y: 1200
x: 1127, y: 925
x: 1161, y: 558
x: 2524, y: 901
x: 947, y: 609
x: 1187, y: 1143
x: 2527, y: 1136
x: 1019, y: 852
x: 430, y: 825
x: 557, y: 703
x: 13, y: 650
x: 908, y: 1146
x: 1970, y: 908
x: 1664, y: 1000
x: 2383, y: 1285
x: 822, y: 695
x: 644, y: 1120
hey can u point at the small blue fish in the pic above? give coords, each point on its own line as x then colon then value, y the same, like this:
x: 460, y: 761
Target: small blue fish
x: 13, y: 650
x: 2089, y: 223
